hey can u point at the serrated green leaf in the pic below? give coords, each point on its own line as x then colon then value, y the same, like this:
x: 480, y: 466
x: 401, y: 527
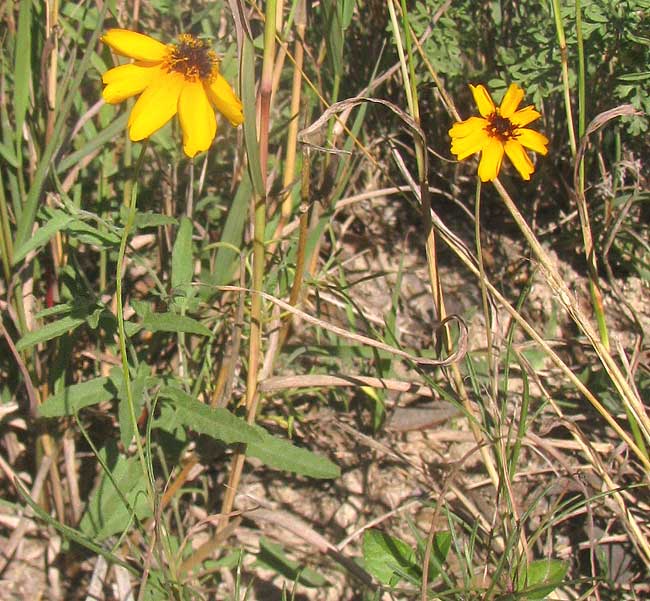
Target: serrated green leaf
x: 172, y: 322
x: 131, y: 329
x: 182, y: 261
x: 77, y: 396
x: 49, y: 331
x: 216, y: 423
x: 282, y: 455
x: 272, y: 451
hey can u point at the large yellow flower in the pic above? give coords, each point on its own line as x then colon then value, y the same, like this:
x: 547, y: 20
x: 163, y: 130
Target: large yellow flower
x: 498, y: 130
x: 178, y: 78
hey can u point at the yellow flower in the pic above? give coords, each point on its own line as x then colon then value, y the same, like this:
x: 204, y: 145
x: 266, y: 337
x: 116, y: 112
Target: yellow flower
x: 178, y: 78
x: 498, y: 130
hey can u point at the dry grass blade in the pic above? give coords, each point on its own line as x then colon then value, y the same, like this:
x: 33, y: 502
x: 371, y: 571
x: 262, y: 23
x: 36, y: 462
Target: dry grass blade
x: 456, y: 356
x: 324, y: 381
x: 596, y: 123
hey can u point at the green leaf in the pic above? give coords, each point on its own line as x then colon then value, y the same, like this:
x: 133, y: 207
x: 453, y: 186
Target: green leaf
x: 249, y: 96
x: 109, y: 511
x: 104, y: 136
x: 390, y: 559
x: 50, y: 331
x: 148, y: 219
x: 22, y: 66
x: 223, y: 425
x: 182, y: 263
x: 439, y: 550
x: 9, y: 155
x: 172, y: 322
x: 386, y: 556
x: 233, y: 232
x: 88, y: 234
x: 43, y: 234
x: 282, y: 455
x: 77, y: 396
x: 273, y: 557
x: 541, y: 577
x: 218, y: 423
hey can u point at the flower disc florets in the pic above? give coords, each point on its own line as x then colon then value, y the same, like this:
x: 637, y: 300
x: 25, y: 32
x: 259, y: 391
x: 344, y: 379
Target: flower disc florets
x: 500, y: 127
x: 193, y: 59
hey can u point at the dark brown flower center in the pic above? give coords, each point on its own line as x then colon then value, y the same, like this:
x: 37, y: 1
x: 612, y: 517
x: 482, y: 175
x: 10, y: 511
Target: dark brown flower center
x: 193, y: 58
x: 500, y: 127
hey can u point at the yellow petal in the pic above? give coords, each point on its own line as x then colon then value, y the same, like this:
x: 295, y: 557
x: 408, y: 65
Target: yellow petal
x: 156, y: 105
x: 135, y: 45
x: 519, y: 158
x: 461, y: 129
x: 524, y: 116
x: 127, y: 80
x: 197, y: 119
x: 468, y: 145
x: 532, y: 139
x: 511, y: 101
x: 483, y: 100
x: 224, y: 98
x: 491, y: 158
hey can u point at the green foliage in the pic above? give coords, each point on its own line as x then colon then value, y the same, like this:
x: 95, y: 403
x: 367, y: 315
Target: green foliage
x: 119, y: 499
x: 391, y: 560
x: 540, y: 578
x: 71, y: 399
x: 463, y: 41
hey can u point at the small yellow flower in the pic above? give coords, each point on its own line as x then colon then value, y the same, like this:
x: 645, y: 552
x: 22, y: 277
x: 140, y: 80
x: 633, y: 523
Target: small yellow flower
x: 178, y: 78
x: 498, y: 130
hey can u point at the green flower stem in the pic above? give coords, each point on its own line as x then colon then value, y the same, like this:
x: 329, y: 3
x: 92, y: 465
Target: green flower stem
x: 564, y: 57
x: 120, y: 319
x: 594, y: 287
x: 484, y: 297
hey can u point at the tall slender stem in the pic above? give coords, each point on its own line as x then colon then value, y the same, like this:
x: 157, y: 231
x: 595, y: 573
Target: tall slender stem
x: 564, y: 57
x: 120, y: 319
